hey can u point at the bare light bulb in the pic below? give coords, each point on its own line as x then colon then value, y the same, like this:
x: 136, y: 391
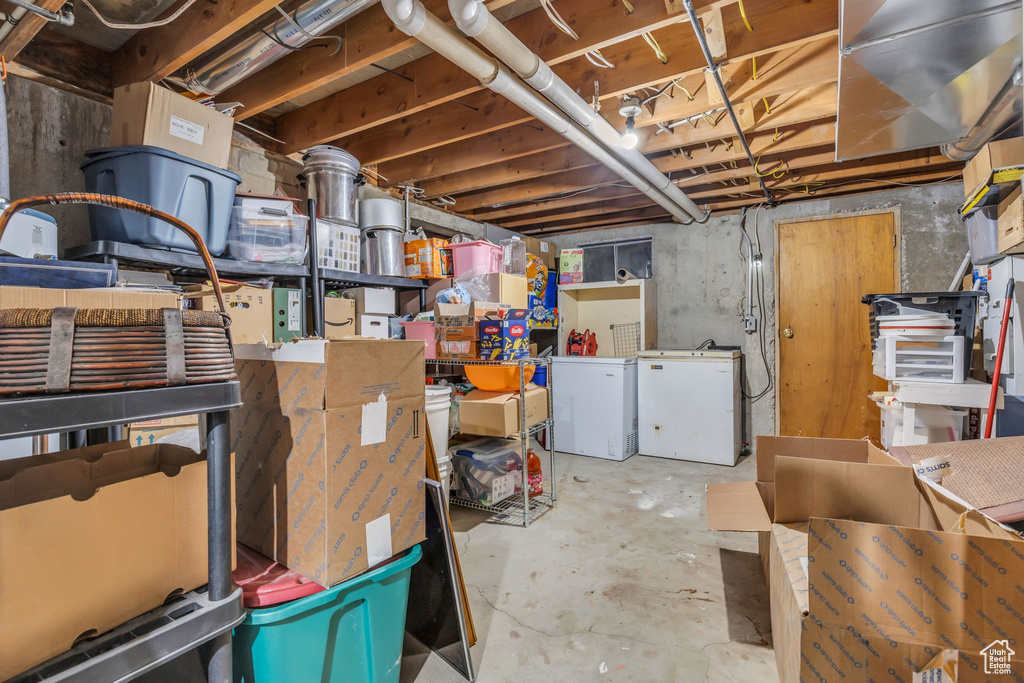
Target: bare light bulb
x: 630, y: 138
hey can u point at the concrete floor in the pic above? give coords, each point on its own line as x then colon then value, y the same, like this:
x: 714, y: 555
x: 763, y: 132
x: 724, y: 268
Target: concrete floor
x: 621, y: 582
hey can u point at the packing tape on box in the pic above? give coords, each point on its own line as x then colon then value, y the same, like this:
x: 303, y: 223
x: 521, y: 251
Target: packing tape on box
x: 374, y: 426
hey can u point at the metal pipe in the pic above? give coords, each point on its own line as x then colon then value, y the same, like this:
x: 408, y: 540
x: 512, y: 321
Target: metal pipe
x: 63, y: 18
x: 474, y: 19
x: 1004, y: 111
x: 5, y: 161
x: 215, y: 73
x: 314, y: 270
x: 713, y: 70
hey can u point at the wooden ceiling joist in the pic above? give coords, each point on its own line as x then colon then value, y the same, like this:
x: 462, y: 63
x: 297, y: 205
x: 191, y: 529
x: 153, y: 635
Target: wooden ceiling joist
x: 26, y: 29
x: 156, y: 53
x: 482, y: 112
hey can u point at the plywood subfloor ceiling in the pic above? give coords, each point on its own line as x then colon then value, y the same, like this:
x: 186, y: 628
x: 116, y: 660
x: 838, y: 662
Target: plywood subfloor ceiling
x: 425, y: 122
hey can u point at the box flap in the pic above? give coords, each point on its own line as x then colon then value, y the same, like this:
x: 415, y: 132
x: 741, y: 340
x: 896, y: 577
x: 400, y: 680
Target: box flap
x: 736, y: 506
x: 846, y: 490
x: 769, y: 447
x: 490, y: 397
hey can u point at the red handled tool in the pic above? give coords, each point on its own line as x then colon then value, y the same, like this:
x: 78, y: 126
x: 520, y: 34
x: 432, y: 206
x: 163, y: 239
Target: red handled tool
x: 1007, y: 304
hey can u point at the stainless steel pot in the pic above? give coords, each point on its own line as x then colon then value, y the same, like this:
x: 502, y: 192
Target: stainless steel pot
x: 381, y: 212
x: 332, y: 179
x: 385, y: 251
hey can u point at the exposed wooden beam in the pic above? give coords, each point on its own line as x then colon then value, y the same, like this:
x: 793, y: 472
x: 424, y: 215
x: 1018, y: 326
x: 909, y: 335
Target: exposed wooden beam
x: 804, y: 67
x: 435, y: 80
x: 803, y: 136
x: 27, y: 28
x: 56, y: 60
x: 156, y: 53
x: 787, y: 109
x: 803, y: 180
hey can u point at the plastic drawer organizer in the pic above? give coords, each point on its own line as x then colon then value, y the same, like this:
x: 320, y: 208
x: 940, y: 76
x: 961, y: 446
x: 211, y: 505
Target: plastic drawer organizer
x: 918, y: 359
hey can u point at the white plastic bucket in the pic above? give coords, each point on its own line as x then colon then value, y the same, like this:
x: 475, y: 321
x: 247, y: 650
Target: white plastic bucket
x: 438, y: 406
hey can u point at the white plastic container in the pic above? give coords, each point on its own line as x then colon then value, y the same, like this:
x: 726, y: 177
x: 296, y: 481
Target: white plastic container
x: 932, y: 424
x: 918, y: 359
x: 513, y: 256
x: 439, y: 409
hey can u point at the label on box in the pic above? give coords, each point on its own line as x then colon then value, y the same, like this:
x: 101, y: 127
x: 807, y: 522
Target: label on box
x: 294, y: 310
x: 373, y: 428
x: 378, y: 540
x: 503, y: 487
x: 186, y: 130
x: 934, y: 468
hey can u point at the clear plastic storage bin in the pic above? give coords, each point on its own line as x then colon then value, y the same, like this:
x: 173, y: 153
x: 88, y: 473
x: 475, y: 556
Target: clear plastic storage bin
x: 932, y: 424
x: 487, y: 470
x: 267, y: 235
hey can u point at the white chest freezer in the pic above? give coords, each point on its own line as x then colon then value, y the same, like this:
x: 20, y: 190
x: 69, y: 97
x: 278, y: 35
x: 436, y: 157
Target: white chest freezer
x: 689, y: 405
x: 594, y: 401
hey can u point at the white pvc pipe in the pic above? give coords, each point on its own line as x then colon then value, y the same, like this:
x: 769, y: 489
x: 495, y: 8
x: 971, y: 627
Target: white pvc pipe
x: 412, y: 18
x: 473, y: 19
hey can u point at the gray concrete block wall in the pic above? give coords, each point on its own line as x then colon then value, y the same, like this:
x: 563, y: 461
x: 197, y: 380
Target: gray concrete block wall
x: 701, y: 270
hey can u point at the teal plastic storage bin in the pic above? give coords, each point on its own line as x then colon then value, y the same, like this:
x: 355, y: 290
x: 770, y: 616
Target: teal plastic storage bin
x: 351, y: 633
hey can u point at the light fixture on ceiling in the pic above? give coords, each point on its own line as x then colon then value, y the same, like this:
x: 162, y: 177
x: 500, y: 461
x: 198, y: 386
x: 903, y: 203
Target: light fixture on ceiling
x: 630, y: 108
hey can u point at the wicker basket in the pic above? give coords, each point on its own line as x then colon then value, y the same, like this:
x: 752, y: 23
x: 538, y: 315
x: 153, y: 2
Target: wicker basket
x: 55, y: 350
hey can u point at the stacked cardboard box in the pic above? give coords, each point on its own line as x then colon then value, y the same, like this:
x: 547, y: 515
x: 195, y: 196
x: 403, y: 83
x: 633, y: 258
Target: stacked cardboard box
x: 329, y: 452
x: 457, y: 328
x: 874, y: 574
x: 491, y: 413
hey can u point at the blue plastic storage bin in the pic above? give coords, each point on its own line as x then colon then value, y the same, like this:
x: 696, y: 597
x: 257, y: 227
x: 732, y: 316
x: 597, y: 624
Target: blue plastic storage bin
x: 351, y: 633
x: 199, y: 194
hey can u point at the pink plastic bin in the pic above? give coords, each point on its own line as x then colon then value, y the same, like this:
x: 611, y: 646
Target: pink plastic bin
x: 424, y: 331
x: 468, y: 255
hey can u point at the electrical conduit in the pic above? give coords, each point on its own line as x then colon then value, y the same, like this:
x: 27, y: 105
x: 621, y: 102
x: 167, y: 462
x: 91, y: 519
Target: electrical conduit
x: 476, y: 21
x: 412, y: 18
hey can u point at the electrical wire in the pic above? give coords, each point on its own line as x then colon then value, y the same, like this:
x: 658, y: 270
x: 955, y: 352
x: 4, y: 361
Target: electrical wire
x: 557, y: 19
x: 704, y: 343
x: 743, y: 13
x: 653, y: 42
x: 136, y: 27
x: 291, y: 19
x: 597, y: 59
x: 759, y: 287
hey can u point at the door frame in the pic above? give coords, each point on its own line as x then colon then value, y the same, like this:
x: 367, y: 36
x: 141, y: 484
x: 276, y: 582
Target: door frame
x: 897, y: 273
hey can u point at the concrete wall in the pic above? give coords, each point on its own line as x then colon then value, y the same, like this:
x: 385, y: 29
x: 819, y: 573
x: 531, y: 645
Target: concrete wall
x: 701, y: 270
x: 51, y: 129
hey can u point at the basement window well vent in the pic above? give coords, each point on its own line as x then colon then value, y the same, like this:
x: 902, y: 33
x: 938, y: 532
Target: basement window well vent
x: 602, y: 260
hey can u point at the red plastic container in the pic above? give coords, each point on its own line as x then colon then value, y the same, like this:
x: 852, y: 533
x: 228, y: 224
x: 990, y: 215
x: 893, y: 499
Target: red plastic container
x: 265, y: 582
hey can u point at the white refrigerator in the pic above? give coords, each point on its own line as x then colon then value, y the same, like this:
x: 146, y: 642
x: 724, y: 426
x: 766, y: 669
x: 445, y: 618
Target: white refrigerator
x: 595, y: 406
x: 690, y: 406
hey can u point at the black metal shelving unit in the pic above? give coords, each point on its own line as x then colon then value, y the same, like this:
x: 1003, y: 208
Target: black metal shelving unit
x: 202, y: 617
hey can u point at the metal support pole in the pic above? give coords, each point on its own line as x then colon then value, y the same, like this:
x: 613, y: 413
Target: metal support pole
x: 551, y: 430
x: 218, y: 484
x: 304, y: 327
x: 713, y: 70
x: 314, y: 270
x: 524, y: 435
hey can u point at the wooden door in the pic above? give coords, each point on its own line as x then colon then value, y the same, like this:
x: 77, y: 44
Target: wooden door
x: 824, y: 346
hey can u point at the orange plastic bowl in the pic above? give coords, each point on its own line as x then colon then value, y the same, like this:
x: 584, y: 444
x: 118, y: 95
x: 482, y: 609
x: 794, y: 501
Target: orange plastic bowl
x: 497, y: 377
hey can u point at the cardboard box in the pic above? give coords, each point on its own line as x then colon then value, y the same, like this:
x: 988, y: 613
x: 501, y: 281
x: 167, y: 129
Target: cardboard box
x: 149, y: 432
x: 993, y: 156
x: 476, y: 310
x: 92, y: 538
x: 373, y: 326
x: 428, y: 259
x: 570, y: 266
x: 339, y: 318
x: 105, y: 297
x: 874, y: 574
x: 459, y: 349
x: 409, y: 299
x: 457, y: 330
x: 491, y: 413
x: 329, y: 452
x: 372, y: 300
x: 287, y: 313
x: 148, y: 114
x: 1010, y: 226
x: 506, y: 289
x: 251, y: 309
x: 545, y: 250
x: 507, y: 338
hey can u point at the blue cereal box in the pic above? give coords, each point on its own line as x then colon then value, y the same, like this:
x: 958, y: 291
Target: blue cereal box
x: 507, y: 338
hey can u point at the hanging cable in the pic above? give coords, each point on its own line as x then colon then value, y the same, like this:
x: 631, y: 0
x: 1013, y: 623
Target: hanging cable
x: 137, y: 27
x: 557, y: 19
x: 759, y: 287
x: 597, y: 59
x: 653, y: 42
x: 629, y: 6
x: 291, y: 19
x: 753, y: 68
x: 743, y: 13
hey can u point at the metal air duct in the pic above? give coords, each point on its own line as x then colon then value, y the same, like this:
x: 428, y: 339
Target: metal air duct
x: 217, y: 71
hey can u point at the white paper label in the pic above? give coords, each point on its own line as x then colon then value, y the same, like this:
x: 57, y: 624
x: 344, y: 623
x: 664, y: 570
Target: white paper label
x: 544, y: 247
x: 934, y: 468
x: 378, y: 540
x: 503, y: 487
x: 186, y: 130
x: 803, y: 564
x: 294, y: 311
x: 375, y: 419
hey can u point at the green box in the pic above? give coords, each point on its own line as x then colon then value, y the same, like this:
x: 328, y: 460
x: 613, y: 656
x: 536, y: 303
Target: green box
x: 287, y: 313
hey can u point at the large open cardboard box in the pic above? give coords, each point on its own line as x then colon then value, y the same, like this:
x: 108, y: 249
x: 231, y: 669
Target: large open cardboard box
x: 329, y: 450
x: 92, y: 538
x: 874, y: 574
